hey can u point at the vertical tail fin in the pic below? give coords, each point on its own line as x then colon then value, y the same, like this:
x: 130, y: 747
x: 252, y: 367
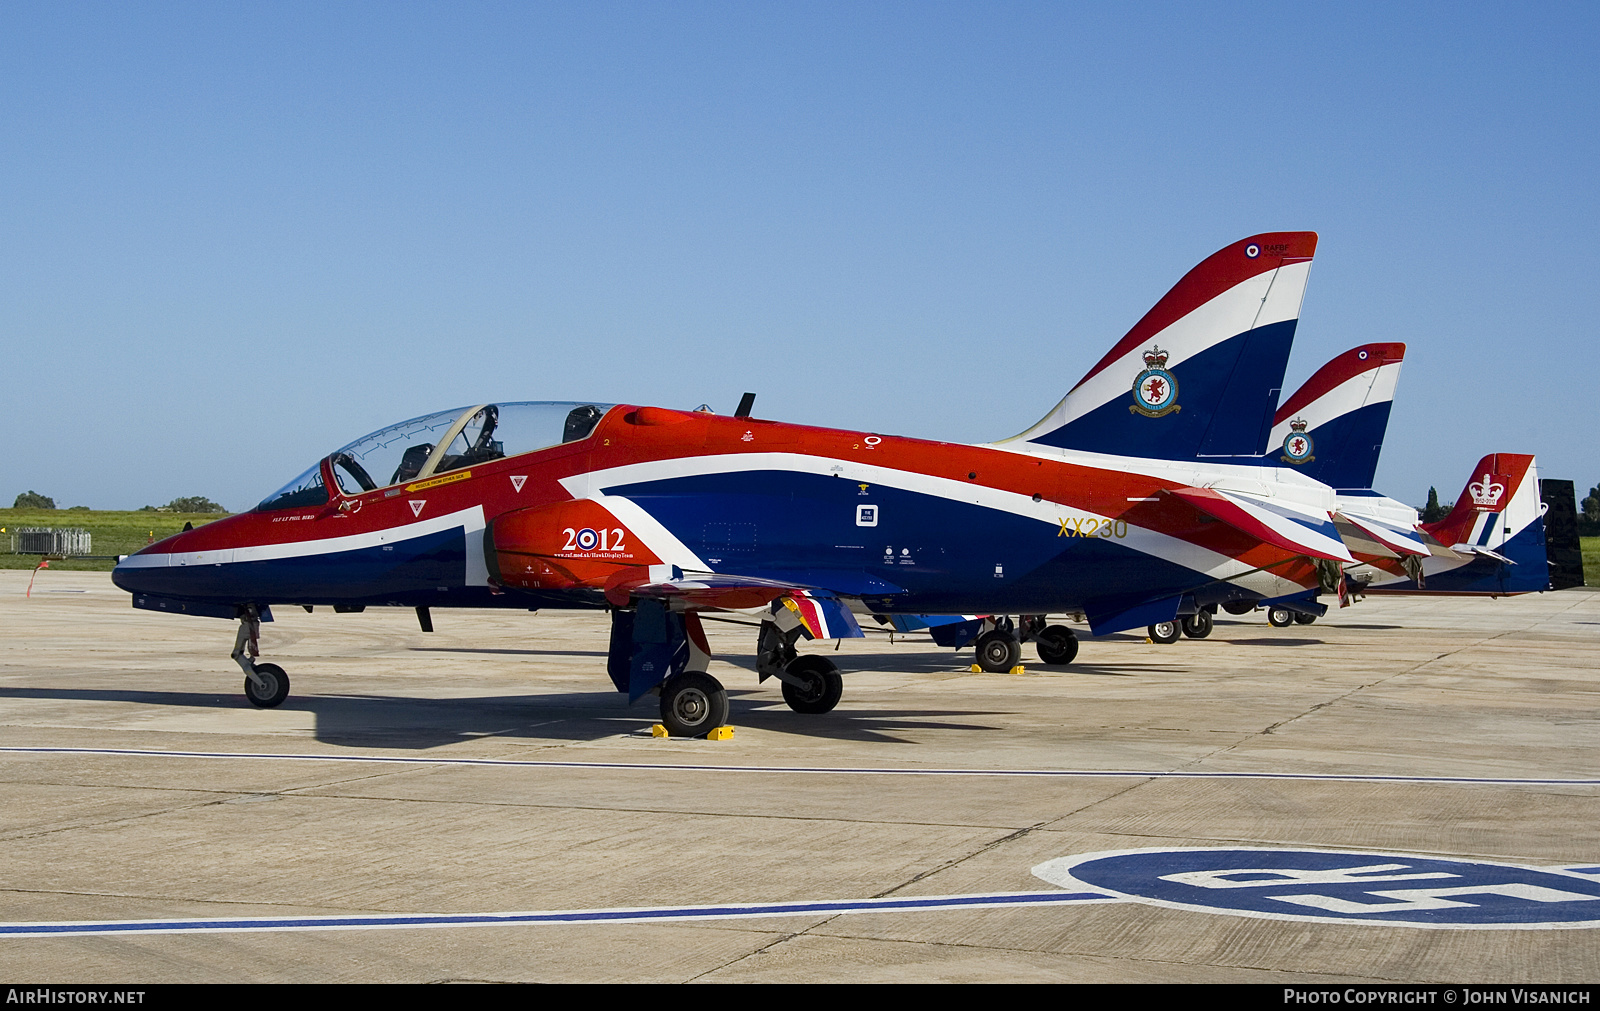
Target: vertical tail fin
x: 1220, y: 336
x: 1498, y: 525
x: 1332, y: 428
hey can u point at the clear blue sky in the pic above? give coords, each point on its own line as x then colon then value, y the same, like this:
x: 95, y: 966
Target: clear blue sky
x: 237, y: 236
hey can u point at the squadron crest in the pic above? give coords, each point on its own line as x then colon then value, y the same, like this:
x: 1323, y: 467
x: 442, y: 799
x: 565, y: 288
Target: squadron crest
x: 1155, y: 391
x: 1297, y: 445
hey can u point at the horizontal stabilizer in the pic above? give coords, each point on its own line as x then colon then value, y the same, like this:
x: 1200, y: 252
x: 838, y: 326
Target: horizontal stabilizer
x: 1397, y: 542
x: 1478, y: 549
x: 1263, y: 524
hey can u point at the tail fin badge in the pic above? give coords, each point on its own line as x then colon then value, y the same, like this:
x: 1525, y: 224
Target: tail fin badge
x: 1155, y: 391
x: 1297, y: 445
x: 1486, y: 491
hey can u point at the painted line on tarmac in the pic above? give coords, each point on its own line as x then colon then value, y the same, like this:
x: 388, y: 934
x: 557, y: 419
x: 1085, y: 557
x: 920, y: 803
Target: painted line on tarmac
x: 639, y: 914
x: 810, y: 770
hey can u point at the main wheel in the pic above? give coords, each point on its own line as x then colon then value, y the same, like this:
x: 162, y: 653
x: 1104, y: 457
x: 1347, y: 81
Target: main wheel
x: 1238, y: 607
x: 1163, y: 632
x: 1304, y: 619
x: 1198, y: 625
x: 1057, y: 645
x: 693, y: 704
x: 1280, y: 617
x: 273, y: 690
x: 821, y: 685
x: 998, y: 651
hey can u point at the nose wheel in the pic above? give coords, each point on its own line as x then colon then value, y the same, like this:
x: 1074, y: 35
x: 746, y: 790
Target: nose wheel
x: 265, y: 684
x: 813, y: 685
x: 1057, y: 645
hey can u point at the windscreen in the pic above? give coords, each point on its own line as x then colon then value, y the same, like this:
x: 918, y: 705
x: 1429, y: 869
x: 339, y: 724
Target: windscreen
x: 304, y: 491
x: 411, y: 450
x: 392, y: 455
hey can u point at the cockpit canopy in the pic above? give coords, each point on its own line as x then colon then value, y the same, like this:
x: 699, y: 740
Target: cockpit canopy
x: 438, y: 443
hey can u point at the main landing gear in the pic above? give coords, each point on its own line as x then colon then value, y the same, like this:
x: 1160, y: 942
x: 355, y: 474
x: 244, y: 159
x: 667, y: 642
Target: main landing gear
x: 1277, y: 617
x: 693, y: 704
x: 811, y: 684
x: 1164, y: 632
x: 265, y: 684
x: 1196, y: 626
x: 1000, y: 648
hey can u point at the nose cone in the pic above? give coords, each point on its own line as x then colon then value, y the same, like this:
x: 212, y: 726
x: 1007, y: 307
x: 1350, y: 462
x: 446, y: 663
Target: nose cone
x: 148, y: 570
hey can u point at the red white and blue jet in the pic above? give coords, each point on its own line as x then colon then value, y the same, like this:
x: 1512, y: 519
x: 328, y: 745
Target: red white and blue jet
x: 1126, y: 506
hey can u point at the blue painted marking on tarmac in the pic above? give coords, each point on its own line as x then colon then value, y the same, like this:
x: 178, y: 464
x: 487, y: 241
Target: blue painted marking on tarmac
x: 1390, y: 889
x: 818, y: 770
x: 643, y: 914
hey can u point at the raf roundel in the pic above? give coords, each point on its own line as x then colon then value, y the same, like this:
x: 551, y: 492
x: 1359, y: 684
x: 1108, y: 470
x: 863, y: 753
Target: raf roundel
x: 1252, y: 250
x: 1390, y: 889
x: 587, y: 539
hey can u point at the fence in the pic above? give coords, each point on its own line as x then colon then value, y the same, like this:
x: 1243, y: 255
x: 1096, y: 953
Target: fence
x: 50, y: 541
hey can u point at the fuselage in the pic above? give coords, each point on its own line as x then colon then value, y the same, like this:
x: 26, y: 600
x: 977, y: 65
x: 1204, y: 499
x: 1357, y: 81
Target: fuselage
x: 901, y: 525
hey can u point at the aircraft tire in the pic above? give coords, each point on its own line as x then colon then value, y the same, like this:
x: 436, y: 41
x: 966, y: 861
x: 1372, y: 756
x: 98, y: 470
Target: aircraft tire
x: 1164, y: 632
x: 998, y: 651
x: 1238, y: 607
x: 277, y: 686
x: 693, y: 704
x: 1304, y: 619
x: 1280, y: 617
x: 822, y: 689
x: 1198, y: 625
x: 1057, y: 645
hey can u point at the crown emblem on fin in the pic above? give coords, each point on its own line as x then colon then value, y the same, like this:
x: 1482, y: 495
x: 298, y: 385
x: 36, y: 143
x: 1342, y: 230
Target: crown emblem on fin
x: 1298, y: 424
x: 1486, y: 491
x: 1155, y: 358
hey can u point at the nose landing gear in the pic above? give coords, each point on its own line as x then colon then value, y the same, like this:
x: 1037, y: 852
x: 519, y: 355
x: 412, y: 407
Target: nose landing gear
x: 265, y: 684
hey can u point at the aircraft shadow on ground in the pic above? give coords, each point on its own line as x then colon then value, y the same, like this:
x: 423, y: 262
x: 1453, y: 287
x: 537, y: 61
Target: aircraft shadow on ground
x: 1272, y: 642
x: 417, y: 724
x: 942, y: 663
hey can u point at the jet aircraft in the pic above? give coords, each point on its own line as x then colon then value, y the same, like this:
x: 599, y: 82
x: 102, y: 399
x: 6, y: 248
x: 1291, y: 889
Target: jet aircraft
x: 658, y: 515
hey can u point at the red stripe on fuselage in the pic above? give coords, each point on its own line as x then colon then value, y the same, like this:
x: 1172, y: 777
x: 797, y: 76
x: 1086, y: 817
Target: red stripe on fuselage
x: 629, y: 435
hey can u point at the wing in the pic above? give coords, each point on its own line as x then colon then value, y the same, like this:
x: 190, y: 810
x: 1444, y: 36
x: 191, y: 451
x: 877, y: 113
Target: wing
x: 820, y: 612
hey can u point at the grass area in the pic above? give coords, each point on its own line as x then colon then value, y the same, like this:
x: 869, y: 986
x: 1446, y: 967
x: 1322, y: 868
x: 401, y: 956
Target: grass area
x: 1591, y: 560
x: 113, y: 532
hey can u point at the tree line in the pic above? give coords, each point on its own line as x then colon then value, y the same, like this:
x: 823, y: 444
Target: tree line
x: 189, y: 504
